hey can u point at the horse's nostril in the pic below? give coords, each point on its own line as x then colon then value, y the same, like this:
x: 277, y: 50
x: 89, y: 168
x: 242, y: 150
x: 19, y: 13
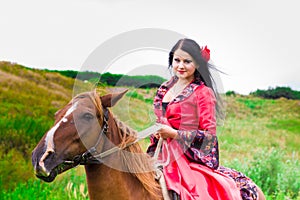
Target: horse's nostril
x: 45, y: 161
x: 50, y: 152
x: 48, y: 155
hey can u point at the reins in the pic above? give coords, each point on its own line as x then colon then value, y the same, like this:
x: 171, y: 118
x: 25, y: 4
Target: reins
x: 91, y: 156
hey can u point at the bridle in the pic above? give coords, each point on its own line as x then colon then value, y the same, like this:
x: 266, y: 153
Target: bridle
x: 91, y: 156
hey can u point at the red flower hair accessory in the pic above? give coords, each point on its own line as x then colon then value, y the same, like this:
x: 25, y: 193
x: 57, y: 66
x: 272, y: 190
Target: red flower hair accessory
x: 205, y: 52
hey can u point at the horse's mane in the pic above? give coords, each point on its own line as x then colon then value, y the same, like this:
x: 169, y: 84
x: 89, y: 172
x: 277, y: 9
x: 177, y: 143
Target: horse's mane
x: 137, y: 162
x: 133, y: 158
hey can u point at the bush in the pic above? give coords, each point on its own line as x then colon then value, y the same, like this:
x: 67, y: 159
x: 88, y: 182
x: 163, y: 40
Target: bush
x: 230, y: 93
x: 278, y: 92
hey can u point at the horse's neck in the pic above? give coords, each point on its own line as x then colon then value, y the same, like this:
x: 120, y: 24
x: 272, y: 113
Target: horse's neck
x: 108, y: 183
x: 111, y: 180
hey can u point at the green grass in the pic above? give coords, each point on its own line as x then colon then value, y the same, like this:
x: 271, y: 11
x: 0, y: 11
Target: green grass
x: 259, y: 137
x: 272, y: 171
x: 69, y: 186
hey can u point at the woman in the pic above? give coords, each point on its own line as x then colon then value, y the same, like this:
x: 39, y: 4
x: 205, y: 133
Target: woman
x: 188, y: 105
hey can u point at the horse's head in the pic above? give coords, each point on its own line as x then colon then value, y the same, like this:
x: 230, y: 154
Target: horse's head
x: 77, y: 128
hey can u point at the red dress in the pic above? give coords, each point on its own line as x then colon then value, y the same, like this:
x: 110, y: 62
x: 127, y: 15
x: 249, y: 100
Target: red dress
x: 193, y: 171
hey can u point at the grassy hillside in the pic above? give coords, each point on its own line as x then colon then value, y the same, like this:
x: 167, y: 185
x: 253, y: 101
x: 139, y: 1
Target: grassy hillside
x: 29, y: 99
x: 259, y: 137
x: 254, y: 123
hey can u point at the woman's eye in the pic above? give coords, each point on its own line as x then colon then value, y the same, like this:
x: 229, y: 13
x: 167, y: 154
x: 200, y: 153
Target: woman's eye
x: 88, y: 116
x: 176, y: 60
x: 187, y: 61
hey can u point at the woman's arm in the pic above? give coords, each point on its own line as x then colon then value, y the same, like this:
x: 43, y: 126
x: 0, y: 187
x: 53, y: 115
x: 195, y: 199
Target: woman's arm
x: 200, y: 145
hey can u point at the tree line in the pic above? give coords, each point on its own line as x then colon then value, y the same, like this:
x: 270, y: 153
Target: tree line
x: 276, y: 93
x: 138, y: 81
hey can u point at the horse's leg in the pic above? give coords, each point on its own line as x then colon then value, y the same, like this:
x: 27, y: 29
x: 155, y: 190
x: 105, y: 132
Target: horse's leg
x: 261, y: 195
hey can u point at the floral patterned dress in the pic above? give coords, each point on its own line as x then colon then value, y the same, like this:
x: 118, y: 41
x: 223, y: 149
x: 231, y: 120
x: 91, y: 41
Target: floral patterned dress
x: 192, y: 113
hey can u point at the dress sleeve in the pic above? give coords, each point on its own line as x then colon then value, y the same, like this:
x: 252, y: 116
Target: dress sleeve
x: 206, y: 109
x: 202, y: 145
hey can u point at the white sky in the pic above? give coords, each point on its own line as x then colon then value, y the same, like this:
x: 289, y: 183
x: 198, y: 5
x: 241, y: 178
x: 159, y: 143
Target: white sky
x: 255, y: 42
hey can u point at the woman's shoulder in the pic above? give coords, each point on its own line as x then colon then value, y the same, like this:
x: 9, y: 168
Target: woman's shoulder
x: 169, y: 82
x: 204, y: 91
x: 162, y: 89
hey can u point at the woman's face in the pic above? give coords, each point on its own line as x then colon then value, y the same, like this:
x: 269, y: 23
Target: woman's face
x: 184, y: 65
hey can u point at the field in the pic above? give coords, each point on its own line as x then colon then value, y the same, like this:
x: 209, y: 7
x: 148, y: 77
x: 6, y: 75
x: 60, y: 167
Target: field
x: 259, y: 137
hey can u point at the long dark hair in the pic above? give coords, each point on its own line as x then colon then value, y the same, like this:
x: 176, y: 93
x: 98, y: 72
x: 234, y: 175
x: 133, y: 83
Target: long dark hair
x: 202, y: 73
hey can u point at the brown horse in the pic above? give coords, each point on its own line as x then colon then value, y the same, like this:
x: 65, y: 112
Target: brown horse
x: 85, y: 132
x: 83, y: 128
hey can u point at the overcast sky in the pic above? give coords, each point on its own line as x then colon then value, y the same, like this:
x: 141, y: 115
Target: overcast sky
x: 255, y: 42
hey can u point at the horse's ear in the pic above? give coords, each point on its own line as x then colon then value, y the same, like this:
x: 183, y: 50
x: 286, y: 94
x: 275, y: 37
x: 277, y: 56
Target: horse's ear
x: 109, y: 100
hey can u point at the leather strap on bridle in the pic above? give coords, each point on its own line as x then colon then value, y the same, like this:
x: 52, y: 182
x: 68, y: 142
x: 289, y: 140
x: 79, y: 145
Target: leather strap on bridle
x: 88, y: 157
x: 91, y: 156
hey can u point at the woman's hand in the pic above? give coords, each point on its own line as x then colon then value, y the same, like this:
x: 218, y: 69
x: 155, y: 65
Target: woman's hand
x: 166, y: 132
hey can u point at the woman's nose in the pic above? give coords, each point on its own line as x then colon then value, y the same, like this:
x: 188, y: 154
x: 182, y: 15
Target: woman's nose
x: 180, y: 64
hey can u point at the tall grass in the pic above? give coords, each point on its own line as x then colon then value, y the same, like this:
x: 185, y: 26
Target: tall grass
x: 276, y: 175
x: 261, y: 139
x: 69, y: 186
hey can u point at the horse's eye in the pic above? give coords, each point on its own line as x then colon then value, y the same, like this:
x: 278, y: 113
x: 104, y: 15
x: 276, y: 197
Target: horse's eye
x: 88, y: 116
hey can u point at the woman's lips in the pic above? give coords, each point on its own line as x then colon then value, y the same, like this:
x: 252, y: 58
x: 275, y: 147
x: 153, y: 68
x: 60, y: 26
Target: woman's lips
x: 180, y: 72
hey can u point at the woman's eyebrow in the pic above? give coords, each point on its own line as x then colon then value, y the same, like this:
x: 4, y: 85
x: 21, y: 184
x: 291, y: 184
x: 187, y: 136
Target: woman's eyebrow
x: 176, y: 56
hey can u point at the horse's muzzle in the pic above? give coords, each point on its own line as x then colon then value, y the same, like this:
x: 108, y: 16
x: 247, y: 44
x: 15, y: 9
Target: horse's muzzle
x: 42, y: 162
